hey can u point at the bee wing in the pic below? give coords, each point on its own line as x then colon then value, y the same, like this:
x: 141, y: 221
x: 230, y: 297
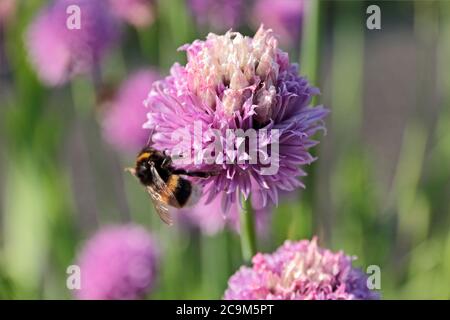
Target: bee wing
x: 161, y: 208
x: 160, y: 192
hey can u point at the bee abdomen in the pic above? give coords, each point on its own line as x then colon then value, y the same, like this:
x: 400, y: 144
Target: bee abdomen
x: 181, y: 189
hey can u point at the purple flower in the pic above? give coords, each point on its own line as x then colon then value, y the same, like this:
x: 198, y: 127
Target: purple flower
x: 210, y: 219
x: 283, y: 16
x: 119, y: 262
x: 122, y: 123
x: 231, y: 85
x: 300, y: 271
x: 58, y: 52
x: 218, y: 15
x: 136, y: 12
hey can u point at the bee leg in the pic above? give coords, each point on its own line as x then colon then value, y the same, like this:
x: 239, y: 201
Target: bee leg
x: 167, y: 162
x: 198, y: 174
x: 131, y: 170
x: 167, y: 154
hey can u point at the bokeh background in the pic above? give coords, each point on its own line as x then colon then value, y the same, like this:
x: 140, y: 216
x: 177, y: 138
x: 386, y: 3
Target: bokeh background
x: 380, y: 189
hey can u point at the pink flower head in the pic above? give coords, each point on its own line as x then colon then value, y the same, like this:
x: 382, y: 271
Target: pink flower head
x: 136, y: 12
x: 300, y: 271
x: 119, y: 262
x: 58, y: 49
x: 122, y: 124
x: 285, y: 17
x: 232, y: 85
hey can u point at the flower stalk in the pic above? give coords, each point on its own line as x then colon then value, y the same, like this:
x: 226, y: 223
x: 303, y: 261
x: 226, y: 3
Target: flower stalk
x: 310, y: 45
x: 247, y: 230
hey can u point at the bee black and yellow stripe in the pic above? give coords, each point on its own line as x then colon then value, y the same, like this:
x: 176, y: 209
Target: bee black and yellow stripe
x: 143, y: 156
x: 181, y: 189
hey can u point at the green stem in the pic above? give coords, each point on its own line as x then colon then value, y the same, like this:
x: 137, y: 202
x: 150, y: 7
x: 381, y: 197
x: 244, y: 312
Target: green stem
x: 147, y: 38
x: 247, y: 229
x: 310, y: 53
x: 310, y: 46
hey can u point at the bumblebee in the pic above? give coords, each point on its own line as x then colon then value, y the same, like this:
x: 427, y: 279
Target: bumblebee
x: 164, y: 183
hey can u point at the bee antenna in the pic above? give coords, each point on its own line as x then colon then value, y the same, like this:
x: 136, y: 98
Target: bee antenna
x: 148, y: 141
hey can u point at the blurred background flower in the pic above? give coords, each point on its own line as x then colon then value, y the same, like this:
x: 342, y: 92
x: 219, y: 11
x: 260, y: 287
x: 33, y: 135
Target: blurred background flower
x: 7, y: 10
x: 125, y: 114
x: 57, y: 52
x: 285, y: 17
x: 210, y: 218
x: 217, y: 15
x: 139, y: 13
x: 300, y: 271
x: 118, y: 262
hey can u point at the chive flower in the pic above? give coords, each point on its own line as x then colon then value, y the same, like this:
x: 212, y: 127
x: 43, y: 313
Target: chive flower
x: 118, y: 262
x: 300, y: 271
x: 233, y: 84
x: 285, y: 17
x: 139, y: 13
x: 60, y: 48
x: 124, y: 114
